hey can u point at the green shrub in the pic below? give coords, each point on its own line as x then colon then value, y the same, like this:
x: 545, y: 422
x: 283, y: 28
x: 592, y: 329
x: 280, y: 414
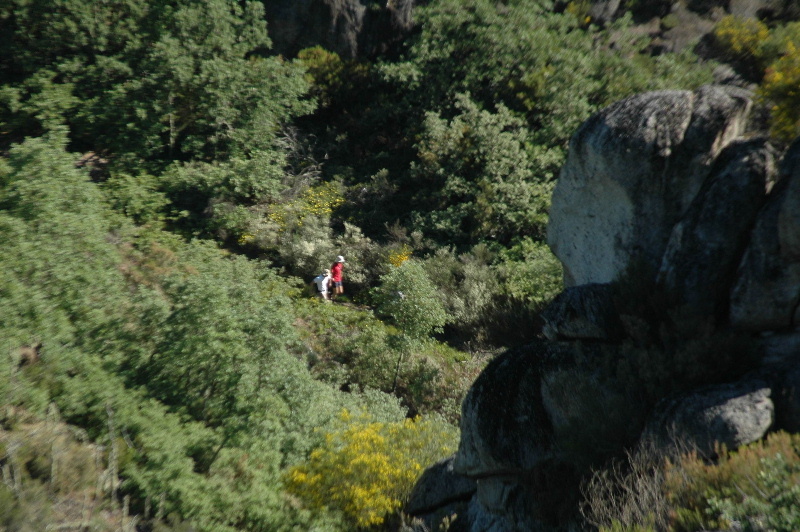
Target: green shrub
x: 741, y: 37
x: 475, y: 178
x: 494, y: 298
x: 137, y: 197
x: 755, y: 487
x: 26, y: 510
x: 365, y: 470
x: 772, y: 57
x: 468, y: 288
x: 353, y: 350
x: 779, y: 90
x: 669, y: 22
x: 776, y: 506
x: 407, y: 295
x: 331, y: 77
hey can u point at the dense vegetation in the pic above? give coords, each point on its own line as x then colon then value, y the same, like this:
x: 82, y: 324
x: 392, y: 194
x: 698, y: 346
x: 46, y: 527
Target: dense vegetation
x: 168, y: 187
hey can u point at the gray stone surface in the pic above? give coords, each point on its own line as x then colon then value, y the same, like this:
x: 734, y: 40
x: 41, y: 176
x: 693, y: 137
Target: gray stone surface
x: 439, y: 486
x: 347, y: 27
x: 603, y: 11
x: 766, y: 293
x: 503, y: 505
x: 632, y: 171
x: 780, y: 368
x: 664, y: 183
x: 503, y: 424
x: 702, y: 255
x: 784, y: 9
x: 482, y: 520
x: 731, y: 414
x: 584, y: 312
x: 787, y: 398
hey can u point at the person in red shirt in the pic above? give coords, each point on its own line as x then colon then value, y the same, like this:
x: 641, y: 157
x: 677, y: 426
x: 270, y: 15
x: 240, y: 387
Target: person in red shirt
x: 336, y: 277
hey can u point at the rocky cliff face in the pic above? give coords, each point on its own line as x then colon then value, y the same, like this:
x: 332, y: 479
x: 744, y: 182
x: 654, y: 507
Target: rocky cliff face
x: 364, y: 28
x: 680, y: 240
x: 675, y: 26
x: 351, y: 28
x: 633, y: 170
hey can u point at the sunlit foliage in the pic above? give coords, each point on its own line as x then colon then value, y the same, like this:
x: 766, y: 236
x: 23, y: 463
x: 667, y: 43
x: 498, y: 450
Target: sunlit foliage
x: 772, y: 57
x: 741, y: 36
x: 781, y: 88
x: 366, y: 469
x: 756, y: 486
x: 407, y: 295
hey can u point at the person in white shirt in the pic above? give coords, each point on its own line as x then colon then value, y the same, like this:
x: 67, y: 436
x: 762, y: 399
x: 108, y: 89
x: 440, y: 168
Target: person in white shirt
x: 323, y: 283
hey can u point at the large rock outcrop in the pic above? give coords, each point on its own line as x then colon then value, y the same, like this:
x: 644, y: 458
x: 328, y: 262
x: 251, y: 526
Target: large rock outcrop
x: 728, y: 414
x: 706, y: 245
x: 764, y: 9
x: 351, y: 28
x: 680, y: 241
x: 585, y: 312
x: 504, y: 426
x: 767, y: 293
x: 675, y: 26
x: 440, y: 494
x: 632, y: 171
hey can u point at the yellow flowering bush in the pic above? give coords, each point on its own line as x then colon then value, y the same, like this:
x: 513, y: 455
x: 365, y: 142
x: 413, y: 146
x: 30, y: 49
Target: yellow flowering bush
x: 775, y: 55
x: 366, y: 469
x: 741, y: 36
x: 319, y: 201
x: 580, y: 10
x: 245, y: 238
x: 399, y: 255
x: 781, y: 87
x: 322, y: 199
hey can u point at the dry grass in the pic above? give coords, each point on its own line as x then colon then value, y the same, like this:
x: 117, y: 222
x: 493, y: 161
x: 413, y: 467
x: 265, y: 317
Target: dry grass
x: 54, y: 478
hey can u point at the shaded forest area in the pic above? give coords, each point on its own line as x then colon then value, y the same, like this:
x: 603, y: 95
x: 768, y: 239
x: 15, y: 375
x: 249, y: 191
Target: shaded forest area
x: 169, y: 187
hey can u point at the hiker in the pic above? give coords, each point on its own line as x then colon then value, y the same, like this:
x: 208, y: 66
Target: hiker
x: 323, y: 284
x: 336, y: 277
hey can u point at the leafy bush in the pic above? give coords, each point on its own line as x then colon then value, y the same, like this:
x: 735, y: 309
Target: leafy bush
x: 755, y: 488
x: 331, y: 77
x: 741, y: 37
x: 493, y: 298
x: 410, y: 299
x: 771, y: 56
x: 353, y: 350
x: 467, y: 286
x: 476, y: 180
x: 780, y: 90
x: 137, y: 197
x: 38, y: 104
x: 366, y: 469
x: 179, y: 357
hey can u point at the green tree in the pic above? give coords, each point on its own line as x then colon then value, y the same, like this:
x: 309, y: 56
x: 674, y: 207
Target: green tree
x: 476, y: 180
x: 57, y: 243
x: 206, y: 93
x: 532, y: 76
x: 167, y: 79
x: 407, y: 295
x: 531, y: 59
